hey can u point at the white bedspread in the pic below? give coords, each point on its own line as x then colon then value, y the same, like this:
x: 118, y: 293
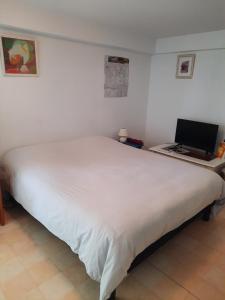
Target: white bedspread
x: 106, y: 200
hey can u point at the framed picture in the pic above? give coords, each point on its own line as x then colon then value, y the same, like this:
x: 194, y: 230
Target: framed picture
x: 18, y: 56
x: 185, y: 66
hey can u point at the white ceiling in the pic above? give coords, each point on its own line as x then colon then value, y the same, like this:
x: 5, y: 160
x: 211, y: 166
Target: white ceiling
x: 155, y: 18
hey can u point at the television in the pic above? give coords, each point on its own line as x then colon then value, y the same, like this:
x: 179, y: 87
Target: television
x: 196, y: 134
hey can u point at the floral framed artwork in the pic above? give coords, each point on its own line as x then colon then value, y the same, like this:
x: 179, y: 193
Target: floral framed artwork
x: 19, y: 56
x: 185, y: 66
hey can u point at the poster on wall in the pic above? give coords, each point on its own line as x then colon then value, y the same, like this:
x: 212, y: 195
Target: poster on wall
x: 185, y: 66
x: 116, y: 76
x: 18, y: 56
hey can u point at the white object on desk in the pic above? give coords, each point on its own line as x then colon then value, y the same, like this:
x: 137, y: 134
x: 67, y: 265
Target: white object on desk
x: 123, y: 134
x: 216, y: 164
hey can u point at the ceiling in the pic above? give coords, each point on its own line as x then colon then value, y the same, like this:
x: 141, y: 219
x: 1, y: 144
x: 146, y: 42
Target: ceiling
x: 154, y: 18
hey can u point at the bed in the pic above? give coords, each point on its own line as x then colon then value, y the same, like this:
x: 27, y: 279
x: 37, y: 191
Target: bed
x: 106, y: 200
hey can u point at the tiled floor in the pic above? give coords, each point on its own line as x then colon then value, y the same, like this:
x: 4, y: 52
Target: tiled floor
x: 34, y: 265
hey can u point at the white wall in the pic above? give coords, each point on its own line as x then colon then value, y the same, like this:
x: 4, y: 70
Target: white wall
x: 67, y: 99
x: 191, y: 42
x: 201, y: 98
x: 22, y: 15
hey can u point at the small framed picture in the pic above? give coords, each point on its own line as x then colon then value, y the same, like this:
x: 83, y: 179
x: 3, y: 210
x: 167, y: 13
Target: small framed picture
x: 19, y: 56
x: 185, y: 66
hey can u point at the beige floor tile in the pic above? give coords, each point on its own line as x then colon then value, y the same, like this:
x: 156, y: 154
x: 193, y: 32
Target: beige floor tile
x: 14, y: 236
x: 34, y: 294
x: 6, y: 253
x: 191, y: 297
x: 188, y: 278
x: 168, y: 289
x: 203, y: 290
x: 220, y: 263
x: 56, y: 287
x: 64, y: 259
x: 2, y: 296
x: 31, y: 256
x: 28, y: 223
x: 221, y: 214
x: 209, y: 254
x: 10, y: 269
x: 52, y: 247
x: 18, y: 286
x: 160, y: 284
x: 215, y: 241
x: 17, y: 212
x: 165, y: 263
x: 147, y: 275
x: 40, y: 236
x: 33, y: 226
x: 73, y: 295
x: 131, y: 289
x: 216, y: 278
x: 43, y: 270
x: 41, y: 267
x: 89, y: 290
x: 198, y: 230
x: 76, y: 274
x: 22, y: 246
x: 173, y: 259
x: 208, y: 234
x: 184, y: 241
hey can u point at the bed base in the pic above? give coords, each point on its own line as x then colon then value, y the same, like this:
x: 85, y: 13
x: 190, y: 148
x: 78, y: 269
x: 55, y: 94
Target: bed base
x: 204, y: 214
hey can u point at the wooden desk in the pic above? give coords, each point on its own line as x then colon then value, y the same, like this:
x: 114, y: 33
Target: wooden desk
x: 215, y: 165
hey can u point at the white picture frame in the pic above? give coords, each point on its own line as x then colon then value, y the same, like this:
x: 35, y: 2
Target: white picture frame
x: 185, y: 66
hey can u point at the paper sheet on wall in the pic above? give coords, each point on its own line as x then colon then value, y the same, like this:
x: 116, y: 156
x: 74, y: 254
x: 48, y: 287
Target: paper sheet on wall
x: 116, y: 76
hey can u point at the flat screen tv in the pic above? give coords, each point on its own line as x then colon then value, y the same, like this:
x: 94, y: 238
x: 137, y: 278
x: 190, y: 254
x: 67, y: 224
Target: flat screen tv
x: 196, y: 134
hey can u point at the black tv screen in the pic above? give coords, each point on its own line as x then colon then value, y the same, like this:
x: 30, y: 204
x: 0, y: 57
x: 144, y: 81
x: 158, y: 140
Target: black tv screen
x: 196, y: 134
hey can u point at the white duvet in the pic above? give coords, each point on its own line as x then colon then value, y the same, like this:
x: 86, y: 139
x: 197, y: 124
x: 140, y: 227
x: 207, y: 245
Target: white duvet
x: 106, y: 200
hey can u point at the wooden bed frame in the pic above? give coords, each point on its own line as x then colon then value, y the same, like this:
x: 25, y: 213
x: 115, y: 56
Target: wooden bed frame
x: 205, y: 214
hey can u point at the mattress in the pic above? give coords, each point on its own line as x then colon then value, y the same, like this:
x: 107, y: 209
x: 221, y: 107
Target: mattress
x: 106, y: 200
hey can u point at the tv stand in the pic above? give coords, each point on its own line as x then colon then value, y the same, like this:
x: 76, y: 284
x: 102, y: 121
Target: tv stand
x: 214, y: 164
x: 191, y: 152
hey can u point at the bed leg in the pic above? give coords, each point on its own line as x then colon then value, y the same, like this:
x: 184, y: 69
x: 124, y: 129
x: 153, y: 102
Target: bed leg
x: 113, y: 296
x: 207, y: 213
